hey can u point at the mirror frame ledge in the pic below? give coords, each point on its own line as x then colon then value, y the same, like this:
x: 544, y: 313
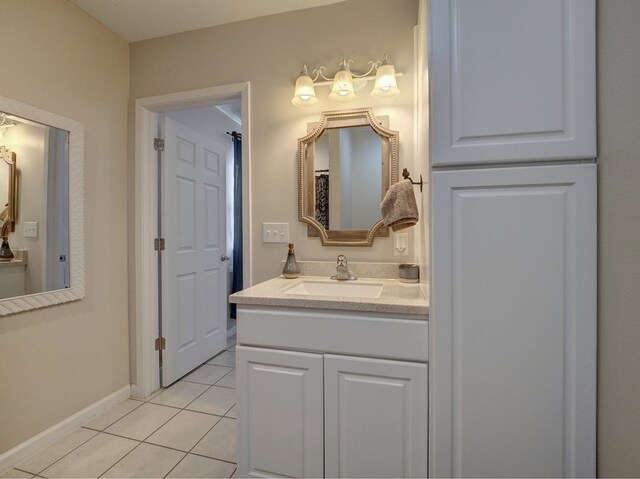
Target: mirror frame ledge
x: 76, y: 210
x: 388, y: 134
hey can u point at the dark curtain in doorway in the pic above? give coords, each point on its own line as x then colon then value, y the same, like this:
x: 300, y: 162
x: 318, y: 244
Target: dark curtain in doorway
x: 236, y: 279
x: 322, y: 199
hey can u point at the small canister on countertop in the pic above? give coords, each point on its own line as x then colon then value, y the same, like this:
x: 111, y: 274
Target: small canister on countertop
x: 409, y: 273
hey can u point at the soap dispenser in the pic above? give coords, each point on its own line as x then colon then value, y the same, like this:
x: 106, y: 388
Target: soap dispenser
x: 5, y: 251
x: 291, y: 269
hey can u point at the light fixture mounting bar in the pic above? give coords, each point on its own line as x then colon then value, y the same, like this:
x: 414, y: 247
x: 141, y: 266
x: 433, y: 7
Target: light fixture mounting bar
x: 364, y: 78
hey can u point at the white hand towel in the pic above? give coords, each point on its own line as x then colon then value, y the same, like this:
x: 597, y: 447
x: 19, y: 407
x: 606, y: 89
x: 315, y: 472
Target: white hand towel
x: 399, y: 208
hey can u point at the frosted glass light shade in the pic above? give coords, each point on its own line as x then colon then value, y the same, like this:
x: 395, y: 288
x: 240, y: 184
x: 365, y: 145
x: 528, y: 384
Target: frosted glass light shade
x: 342, y: 89
x: 386, y: 85
x: 305, y: 93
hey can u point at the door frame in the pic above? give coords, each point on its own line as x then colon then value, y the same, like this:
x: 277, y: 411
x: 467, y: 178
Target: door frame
x: 145, y: 293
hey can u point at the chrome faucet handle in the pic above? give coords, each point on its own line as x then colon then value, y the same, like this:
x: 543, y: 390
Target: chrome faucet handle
x: 342, y: 270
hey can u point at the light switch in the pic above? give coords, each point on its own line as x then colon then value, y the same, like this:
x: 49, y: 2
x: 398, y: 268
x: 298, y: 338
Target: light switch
x: 30, y: 229
x: 401, y: 244
x: 275, y: 232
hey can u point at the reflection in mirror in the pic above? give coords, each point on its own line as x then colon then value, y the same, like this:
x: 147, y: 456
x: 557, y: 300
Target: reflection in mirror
x: 7, y: 190
x: 46, y: 234
x: 40, y: 205
x: 8, y: 197
x: 347, y: 163
x: 349, y: 178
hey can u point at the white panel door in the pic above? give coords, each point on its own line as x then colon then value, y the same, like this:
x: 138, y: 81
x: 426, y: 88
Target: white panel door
x: 511, y: 80
x: 280, y: 413
x: 375, y: 418
x: 513, y: 322
x: 194, y: 276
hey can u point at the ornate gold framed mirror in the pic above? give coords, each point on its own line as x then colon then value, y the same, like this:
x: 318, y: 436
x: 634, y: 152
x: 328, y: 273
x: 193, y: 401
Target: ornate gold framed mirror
x: 8, y: 188
x: 346, y: 164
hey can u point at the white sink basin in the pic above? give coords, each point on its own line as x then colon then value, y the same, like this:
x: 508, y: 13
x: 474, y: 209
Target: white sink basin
x: 345, y: 289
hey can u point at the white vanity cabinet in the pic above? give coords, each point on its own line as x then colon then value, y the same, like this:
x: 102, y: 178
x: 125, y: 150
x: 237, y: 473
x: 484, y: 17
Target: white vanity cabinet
x: 315, y: 410
x: 511, y: 81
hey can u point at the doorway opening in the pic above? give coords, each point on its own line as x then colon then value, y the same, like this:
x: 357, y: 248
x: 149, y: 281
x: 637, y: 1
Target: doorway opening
x: 185, y: 110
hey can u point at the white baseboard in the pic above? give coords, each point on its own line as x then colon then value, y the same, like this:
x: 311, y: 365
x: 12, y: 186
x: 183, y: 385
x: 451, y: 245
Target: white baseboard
x: 64, y: 427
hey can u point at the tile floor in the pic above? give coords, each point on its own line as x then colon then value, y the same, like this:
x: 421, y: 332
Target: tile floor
x: 186, y: 430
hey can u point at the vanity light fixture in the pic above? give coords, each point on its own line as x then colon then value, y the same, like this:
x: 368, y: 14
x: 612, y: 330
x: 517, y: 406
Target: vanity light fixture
x: 305, y: 93
x: 342, y: 88
x: 5, y: 123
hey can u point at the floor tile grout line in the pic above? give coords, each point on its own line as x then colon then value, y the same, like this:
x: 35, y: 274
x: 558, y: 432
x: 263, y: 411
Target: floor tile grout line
x: 113, y: 465
x: 104, y: 430
x: 54, y: 462
x: 217, y: 422
x: 176, y: 465
x: 84, y: 426
x: 188, y: 410
x: 184, y: 407
x: 226, y: 387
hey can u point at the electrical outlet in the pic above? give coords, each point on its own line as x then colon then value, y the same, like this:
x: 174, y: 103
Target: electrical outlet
x: 275, y: 232
x: 30, y: 229
x: 401, y: 244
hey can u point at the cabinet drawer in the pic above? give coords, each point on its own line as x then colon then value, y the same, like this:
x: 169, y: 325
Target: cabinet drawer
x: 356, y: 334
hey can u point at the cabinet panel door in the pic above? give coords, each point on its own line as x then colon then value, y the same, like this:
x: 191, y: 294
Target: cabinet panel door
x: 513, y: 322
x: 375, y: 418
x: 280, y: 413
x: 512, y: 80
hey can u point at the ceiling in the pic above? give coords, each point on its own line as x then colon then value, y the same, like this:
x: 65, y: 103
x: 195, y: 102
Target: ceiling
x: 136, y: 20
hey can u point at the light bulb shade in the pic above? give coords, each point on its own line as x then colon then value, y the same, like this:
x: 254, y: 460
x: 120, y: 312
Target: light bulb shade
x: 342, y: 89
x: 386, y: 85
x: 305, y: 93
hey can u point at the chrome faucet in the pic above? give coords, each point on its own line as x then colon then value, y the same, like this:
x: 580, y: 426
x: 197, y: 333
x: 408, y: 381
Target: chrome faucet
x: 342, y: 270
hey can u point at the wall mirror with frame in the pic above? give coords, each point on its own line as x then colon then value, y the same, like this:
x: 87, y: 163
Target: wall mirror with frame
x: 8, y: 186
x: 347, y: 162
x: 41, y: 210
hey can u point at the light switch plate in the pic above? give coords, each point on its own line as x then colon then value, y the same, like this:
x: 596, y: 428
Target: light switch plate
x: 30, y: 229
x: 401, y: 244
x: 275, y: 232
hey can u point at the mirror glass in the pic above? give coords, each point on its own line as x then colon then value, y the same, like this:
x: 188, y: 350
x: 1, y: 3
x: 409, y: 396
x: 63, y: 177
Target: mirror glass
x: 347, y: 163
x: 43, y: 227
x: 348, y: 173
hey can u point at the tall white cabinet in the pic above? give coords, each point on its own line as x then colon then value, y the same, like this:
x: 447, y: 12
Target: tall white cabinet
x: 513, y: 247
x: 511, y: 80
x: 513, y: 322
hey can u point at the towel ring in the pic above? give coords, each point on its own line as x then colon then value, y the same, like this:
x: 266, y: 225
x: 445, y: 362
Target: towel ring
x: 407, y: 176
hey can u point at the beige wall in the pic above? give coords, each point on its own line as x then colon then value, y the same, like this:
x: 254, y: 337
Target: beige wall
x: 56, y: 361
x: 619, y: 241
x: 269, y: 52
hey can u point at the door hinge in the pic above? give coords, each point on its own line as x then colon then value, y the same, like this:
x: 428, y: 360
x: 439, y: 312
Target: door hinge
x: 158, y: 244
x: 161, y: 344
x: 158, y: 144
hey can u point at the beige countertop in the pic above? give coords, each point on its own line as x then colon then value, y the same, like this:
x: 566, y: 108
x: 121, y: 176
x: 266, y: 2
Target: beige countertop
x: 396, y: 297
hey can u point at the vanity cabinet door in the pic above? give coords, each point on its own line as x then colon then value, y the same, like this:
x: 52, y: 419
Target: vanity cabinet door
x: 375, y: 417
x: 513, y: 322
x: 511, y: 80
x: 280, y: 413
